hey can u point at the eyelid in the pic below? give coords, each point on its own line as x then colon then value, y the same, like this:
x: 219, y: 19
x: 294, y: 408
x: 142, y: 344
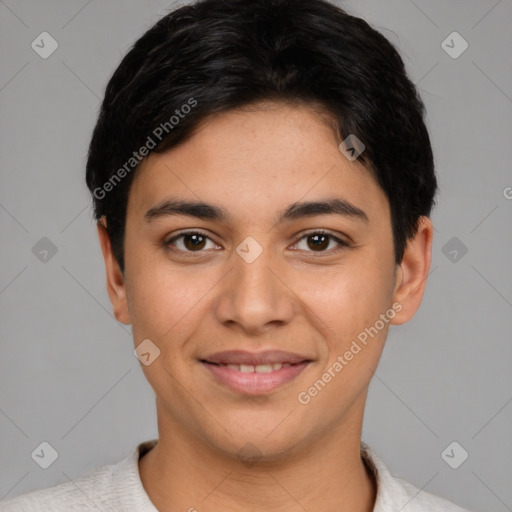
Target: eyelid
x: 168, y: 241
x: 341, y: 243
x: 188, y: 232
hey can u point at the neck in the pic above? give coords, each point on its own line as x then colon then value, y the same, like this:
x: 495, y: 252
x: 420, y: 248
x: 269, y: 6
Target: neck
x: 183, y: 473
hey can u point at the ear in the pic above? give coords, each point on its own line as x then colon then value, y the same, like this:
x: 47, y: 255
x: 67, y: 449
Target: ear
x: 115, y: 280
x: 411, y: 277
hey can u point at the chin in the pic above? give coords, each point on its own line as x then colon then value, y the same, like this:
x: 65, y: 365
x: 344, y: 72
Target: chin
x: 258, y: 441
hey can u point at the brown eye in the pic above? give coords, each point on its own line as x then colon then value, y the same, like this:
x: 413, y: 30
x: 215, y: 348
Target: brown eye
x: 192, y: 241
x: 319, y: 241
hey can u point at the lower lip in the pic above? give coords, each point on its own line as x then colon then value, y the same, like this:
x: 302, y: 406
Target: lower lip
x: 255, y: 383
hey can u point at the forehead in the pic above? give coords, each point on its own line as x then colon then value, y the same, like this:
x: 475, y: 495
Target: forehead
x: 254, y: 160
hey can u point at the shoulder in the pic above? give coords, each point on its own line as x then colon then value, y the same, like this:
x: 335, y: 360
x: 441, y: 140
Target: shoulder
x: 397, y: 494
x: 89, y: 492
x: 423, y: 501
x: 108, y: 488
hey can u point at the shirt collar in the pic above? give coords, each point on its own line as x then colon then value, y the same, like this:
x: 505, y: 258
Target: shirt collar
x: 390, y: 493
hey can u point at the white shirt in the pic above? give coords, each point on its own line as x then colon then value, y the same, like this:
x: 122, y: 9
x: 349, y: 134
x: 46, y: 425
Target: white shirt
x: 118, y: 488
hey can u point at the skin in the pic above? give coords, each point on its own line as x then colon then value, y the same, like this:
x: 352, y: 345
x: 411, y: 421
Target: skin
x: 294, y: 296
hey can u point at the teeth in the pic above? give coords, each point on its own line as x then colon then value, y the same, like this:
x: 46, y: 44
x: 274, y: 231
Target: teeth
x: 264, y: 368
x: 260, y: 368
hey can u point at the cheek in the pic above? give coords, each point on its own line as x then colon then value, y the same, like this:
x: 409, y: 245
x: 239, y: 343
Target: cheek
x: 156, y: 297
x: 349, y: 313
x: 350, y: 297
x: 157, y: 303
x: 167, y: 304
x: 348, y: 308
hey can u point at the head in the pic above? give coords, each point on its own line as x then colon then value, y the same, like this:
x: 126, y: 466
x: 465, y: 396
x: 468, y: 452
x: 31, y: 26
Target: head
x: 247, y: 109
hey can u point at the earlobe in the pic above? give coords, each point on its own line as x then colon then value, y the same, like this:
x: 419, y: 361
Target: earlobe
x: 412, y: 275
x: 116, y: 286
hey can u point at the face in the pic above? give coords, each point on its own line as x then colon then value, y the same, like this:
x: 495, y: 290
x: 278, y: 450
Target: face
x: 267, y: 309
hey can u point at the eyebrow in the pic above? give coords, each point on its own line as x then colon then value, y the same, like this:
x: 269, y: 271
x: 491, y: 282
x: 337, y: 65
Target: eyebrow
x: 294, y: 211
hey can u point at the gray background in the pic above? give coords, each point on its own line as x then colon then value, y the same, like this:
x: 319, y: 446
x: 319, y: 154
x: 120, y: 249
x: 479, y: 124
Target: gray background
x: 68, y: 375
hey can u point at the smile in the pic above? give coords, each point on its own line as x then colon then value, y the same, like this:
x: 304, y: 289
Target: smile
x: 254, y: 379
x: 260, y: 368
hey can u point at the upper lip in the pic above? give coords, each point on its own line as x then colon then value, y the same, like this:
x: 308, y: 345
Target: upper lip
x: 255, y: 358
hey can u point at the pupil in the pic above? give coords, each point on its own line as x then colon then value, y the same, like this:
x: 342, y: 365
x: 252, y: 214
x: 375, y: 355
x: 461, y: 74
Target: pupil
x: 322, y: 244
x: 198, y: 240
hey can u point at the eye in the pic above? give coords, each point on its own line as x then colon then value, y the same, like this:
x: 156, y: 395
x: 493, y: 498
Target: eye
x: 319, y: 241
x: 196, y: 241
x: 192, y: 241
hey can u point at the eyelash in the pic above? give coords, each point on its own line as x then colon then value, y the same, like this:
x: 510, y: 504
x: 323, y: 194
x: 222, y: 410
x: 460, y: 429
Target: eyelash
x: 342, y: 244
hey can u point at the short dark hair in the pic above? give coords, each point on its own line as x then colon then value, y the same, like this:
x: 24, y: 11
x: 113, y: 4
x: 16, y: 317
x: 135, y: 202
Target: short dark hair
x: 217, y: 55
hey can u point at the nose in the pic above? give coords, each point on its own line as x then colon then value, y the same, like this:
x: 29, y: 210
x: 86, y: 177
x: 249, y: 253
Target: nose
x: 254, y: 296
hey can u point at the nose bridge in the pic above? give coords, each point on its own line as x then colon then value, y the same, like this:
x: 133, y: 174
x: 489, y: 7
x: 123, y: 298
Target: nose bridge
x: 253, y: 295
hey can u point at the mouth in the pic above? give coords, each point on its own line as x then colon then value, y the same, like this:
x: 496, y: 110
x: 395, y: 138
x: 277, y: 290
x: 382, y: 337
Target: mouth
x: 250, y: 368
x: 255, y: 373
